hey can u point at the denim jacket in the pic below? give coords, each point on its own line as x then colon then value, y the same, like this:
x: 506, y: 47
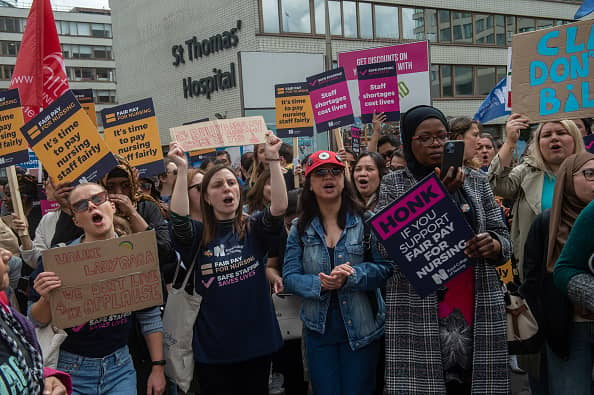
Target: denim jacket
x: 360, y: 300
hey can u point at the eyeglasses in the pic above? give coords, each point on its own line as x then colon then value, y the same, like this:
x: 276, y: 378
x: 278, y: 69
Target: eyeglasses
x: 83, y: 205
x: 323, y: 172
x: 197, y: 186
x: 428, y: 139
x: 588, y: 174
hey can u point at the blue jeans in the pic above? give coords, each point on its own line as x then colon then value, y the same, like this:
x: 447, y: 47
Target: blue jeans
x: 574, y: 375
x: 113, y: 374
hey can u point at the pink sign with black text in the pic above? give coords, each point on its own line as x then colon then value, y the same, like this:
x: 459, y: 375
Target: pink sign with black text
x: 330, y: 100
x: 378, y: 91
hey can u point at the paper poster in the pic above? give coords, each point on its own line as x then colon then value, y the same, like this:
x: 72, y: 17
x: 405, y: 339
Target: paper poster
x: 220, y: 133
x: 554, y: 72
x: 67, y: 143
x: 294, y: 116
x: 356, y: 140
x: 104, y: 277
x: 330, y: 100
x: 425, y: 234
x: 378, y: 91
x: 131, y: 130
x: 412, y: 65
x: 85, y: 98
x: 13, y: 146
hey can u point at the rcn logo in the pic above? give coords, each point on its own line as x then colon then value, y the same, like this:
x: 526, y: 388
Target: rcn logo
x: 440, y: 277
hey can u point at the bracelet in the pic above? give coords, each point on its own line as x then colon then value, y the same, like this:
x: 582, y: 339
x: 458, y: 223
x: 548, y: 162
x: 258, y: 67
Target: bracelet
x: 159, y: 363
x: 272, y: 159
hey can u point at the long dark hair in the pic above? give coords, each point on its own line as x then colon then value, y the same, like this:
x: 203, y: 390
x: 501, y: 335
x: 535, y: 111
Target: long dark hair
x: 308, y: 205
x: 255, y: 197
x: 379, y: 162
x: 208, y: 216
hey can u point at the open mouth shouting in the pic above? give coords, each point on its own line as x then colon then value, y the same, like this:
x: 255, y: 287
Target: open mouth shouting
x: 97, y: 219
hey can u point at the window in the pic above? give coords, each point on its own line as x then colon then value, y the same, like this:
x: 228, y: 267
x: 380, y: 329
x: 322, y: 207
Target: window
x: 6, y: 72
x: 525, y: 25
x: 104, y: 74
x: 349, y: 11
x: 463, y: 81
x: 101, y: 30
x: 501, y: 73
x: 11, y: 25
x: 104, y: 96
x: 335, y: 18
x: 413, y: 23
x: 445, y: 31
x: 386, y: 21
x: 102, y: 52
x: 365, y: 20
x: 485, y: 78
x: 83, y: 29
x: 500, y: 30
x: 295, y: 16
x: 510, y: 26
x: 483, y: 29
x: 446, y: 81
x: 466, y: 81
x: 462, y: 27
x: 434, y: 73
x: 543, y: 23
x: 431, y: 24
x: 9, y: 48
x: 270, y: 16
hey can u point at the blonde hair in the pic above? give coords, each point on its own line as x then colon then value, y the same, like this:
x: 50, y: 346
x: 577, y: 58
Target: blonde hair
x: 533, y: 150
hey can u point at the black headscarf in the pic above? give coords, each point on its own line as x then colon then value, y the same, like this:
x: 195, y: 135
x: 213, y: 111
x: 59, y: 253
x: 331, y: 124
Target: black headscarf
x: 408, y: 124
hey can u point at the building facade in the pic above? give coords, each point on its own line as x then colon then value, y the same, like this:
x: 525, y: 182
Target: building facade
x: 171, y: 41
x: 86, y: 39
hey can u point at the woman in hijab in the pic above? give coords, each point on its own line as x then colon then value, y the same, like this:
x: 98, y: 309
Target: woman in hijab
x: 452, y: 341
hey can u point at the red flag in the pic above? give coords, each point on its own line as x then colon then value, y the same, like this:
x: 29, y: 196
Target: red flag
x: 39, y: 73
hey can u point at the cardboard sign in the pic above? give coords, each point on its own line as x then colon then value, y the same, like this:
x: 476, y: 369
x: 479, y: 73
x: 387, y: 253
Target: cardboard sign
x: 555, y: 73
x: 220, y: 133
x: 131, y: 131
x: 425, y: 234
x: 378, y: 91
x: 85, y: 98
x: 294, y: 116
x: 67, y: 143
x: 330, y: 100
x: 412, y: 65
x: 13, y: 146
x: 104, y: 277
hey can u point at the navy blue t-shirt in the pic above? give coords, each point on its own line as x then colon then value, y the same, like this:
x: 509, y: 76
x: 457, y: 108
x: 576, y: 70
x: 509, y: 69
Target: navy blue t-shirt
x: 236, y: 321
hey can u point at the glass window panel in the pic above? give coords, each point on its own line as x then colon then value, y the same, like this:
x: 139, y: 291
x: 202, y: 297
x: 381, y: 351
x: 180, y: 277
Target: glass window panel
x: 295, y: 16
x: 544, y: 23
x: 335, y: 18
x: 413, y: 23
x: 349, y: 10
x: 462, y: 27
x: 85, y: 52
x: 98, y: 30
x: 108, y: 30
x: 525, y: 25
x: 12, y: 48
x: 446, y: 81
x: 485, y: 80
x: 365, y: 20
x: 434, y: 73
x: 320, y: 16
x: 72, y: 28
x: 501, y: 73
x: 510, y: 28
x: 270, y: 16
x: 84, y: 29
x: 558, y: 22
x: 65, y: 27
x: 463, y: 81
x: 103, y: 74
x: 386, y: 21
x: 500, y: 30
x: 445, y: 31
x: 66, y: 50
x: 483, y: 29
x: 431, y: 24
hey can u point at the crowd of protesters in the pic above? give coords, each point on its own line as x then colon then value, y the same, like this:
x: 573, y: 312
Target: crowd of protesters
x: 301, y: 231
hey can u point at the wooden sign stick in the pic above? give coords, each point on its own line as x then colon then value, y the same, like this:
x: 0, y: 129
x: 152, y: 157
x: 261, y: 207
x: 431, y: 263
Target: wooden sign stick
x: 340, y: 146
x: 15, y: 195
x: 296, y: 182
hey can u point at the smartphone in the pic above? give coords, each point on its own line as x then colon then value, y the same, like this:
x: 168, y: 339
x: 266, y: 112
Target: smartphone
x: 453, y: 155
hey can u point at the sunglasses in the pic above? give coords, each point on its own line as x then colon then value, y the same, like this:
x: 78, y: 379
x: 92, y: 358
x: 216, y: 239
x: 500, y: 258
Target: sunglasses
x: 83, y: 205
x: 323, y: 172
x: 197, y: 186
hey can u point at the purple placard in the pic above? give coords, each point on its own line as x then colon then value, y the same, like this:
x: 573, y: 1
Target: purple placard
x: 48, y: 205
x: 425, y: 233
x: 330, y: 100
x: 378, y: 91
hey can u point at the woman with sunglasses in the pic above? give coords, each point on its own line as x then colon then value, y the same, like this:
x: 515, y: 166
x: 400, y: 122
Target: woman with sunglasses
x: 337, y: 270
x: 95, y: 354
x: 236, y: 331
x: 452, y: 341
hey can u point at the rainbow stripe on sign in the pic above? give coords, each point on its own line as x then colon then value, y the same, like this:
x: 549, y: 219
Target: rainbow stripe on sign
x: 126, y: 244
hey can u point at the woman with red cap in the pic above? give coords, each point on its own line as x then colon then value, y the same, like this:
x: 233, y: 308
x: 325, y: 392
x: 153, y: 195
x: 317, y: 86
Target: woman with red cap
x: 331, y: 262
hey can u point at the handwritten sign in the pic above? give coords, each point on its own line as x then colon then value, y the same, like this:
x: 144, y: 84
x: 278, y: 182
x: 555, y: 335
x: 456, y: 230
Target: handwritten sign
x: 425, y: 234
x: 131, y: 131
x: 67, y: 143
x: 13, y: 146
x: 104, y: 277
x: 330, y: 100
x: 378, y: 91
x: 294, y: 116
x: 85, y: 98
x: 412, y: 64
x: 554, y: 70
x: 220, y: 133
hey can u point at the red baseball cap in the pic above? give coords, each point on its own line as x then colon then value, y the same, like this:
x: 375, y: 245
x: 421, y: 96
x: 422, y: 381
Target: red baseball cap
x: 321, y: 158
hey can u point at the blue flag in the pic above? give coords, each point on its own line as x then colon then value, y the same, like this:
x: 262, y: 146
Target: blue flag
x: 494, y: 104
x: 586, y: 8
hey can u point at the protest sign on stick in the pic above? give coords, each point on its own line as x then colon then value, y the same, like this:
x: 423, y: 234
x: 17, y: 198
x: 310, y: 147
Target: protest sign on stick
x: 294, y: 116
x: 330, y: 100
x: 220, y: 133
x: 425, y: 234
x: 67, y: 143
x: 104, y: 277
x: 553, y: 70
x: 85, y: 98
x: 131, y: 131
x: 13, y: 146
x: 378, y: 91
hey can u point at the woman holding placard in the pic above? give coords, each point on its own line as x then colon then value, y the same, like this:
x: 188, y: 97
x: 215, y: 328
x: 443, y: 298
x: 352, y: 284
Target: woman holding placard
x: 452, y: 341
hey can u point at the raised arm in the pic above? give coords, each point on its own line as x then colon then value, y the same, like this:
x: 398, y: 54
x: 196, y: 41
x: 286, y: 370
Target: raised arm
x: 278, y: 190
x: 180, y: 203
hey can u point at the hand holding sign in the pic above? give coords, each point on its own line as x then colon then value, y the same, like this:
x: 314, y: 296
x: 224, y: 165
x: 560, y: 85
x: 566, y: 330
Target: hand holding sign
x: 177, y: 155
x: 482, y: 246
x: 46, y: 282
x: 272, y: 146
x: 514, y: 125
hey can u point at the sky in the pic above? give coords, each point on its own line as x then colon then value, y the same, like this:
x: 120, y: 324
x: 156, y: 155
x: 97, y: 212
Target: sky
x: 73, y: 3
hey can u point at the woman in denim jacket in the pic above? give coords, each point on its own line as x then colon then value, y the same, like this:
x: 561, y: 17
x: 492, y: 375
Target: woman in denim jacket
x: 328, y: 264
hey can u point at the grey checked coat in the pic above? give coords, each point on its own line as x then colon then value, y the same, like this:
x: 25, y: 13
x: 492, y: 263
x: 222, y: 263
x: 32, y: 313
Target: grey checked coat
x: 413, y: 353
